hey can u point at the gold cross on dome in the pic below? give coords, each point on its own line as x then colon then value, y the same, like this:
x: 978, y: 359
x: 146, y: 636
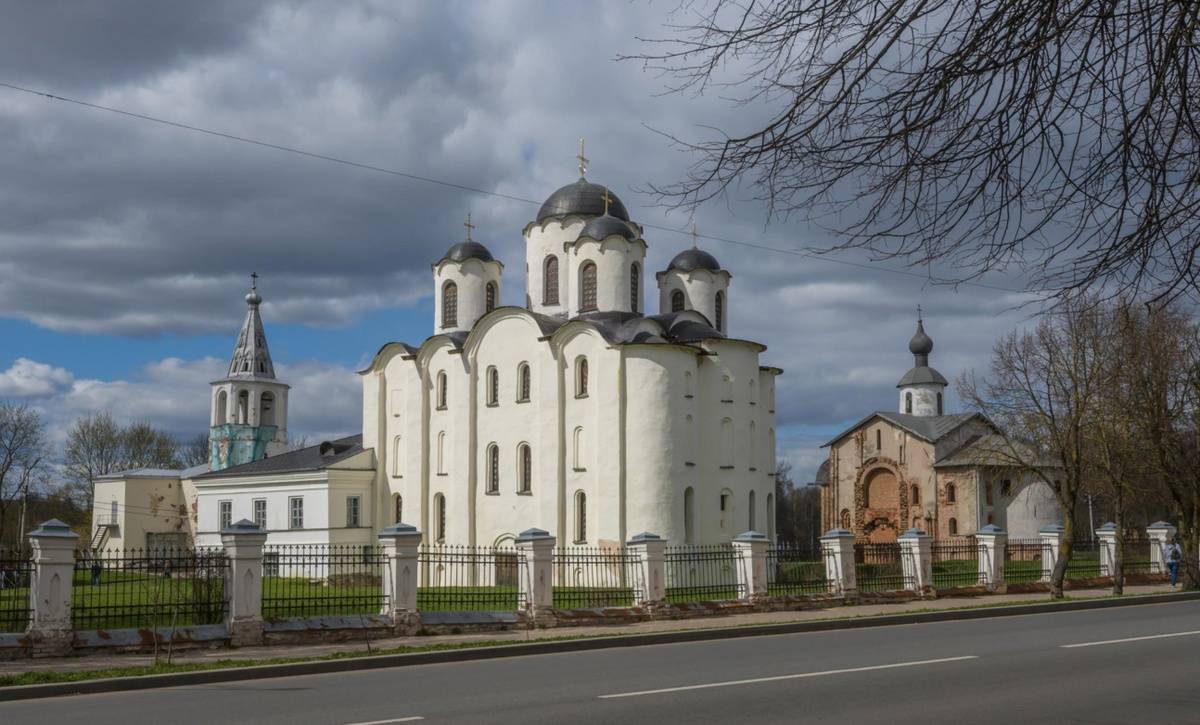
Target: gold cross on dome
x: 607, y: 199
x: 694, y: 235
x: 469, y: 227
x: 583, y: 160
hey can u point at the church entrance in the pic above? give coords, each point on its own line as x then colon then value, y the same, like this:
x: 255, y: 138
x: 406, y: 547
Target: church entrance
x: 881, y: 506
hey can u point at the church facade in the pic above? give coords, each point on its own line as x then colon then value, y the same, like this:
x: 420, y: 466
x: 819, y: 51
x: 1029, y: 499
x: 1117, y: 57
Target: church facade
x: 922, y: 468
x: 587, y: 411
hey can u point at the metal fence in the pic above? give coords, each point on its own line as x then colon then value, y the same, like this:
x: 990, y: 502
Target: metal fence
x: 160, y: 587
x: 879, y: 567
x: 1137, y: 558
x: 795, y: 570
x: 1084, y: 562
x: 306, y: 580
x: 1026, y: 561
x: 956, y: 563
x: 15, y: 570
x: 703, y: 573
x: 469, y: 578
x: 590, y: 577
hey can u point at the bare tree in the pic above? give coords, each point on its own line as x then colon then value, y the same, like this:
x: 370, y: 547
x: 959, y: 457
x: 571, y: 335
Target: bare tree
x: 1042, y: 394
x: 194, y: 451
x: 23, y: 457
x: 97, y: 445
x: 1057, y: 137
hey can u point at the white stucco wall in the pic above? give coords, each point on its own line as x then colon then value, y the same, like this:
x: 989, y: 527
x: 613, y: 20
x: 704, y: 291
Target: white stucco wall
x: 543, y: 240
x: 700, y: 288
x: 471, y: 277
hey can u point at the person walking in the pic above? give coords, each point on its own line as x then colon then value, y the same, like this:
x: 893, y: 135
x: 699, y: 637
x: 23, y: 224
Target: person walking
x: 1174, y: 556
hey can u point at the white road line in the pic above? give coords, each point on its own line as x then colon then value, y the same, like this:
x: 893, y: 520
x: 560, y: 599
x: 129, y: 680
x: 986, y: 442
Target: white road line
x: 799, y: 676
x: 385, y: 722
x: 1131, y: 639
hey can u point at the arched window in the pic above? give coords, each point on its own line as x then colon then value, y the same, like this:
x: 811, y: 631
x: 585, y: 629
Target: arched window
x: 523, y: 383
x: 489, y: 301
x: 845, y: 519
x: 952, y: 527
x: 587, y: 287
x: 908, y: 403
x: 771, y: 517
x: 449, y: 304
x: 397, y: 509
x: 878, y: 440
x: 243, y: 409
x: 914, y: 498
x: 950, y: 493
x: 635, y: 273
x: 580, y: 517
x: 581, y: 378
x: 726, y: 508
x: 550, y: 281
x: 266, y: 408
x: 493, y: 471
x: 222, y: 408
x: 689, y: 515
x: 720, y: 312
x: 441, y: 389
x: 677, y: 301
x: 577, y: 461
x: 441, y: 452
x: 524, y: 468
x: 439, y: 518
x: 493, y: 386
x: 939, y: 403
x: 727, y: 443
x: 397, y: 457
x: 751, y: 520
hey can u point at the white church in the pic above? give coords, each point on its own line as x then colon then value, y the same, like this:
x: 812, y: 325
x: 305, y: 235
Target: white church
x: 580, y: 412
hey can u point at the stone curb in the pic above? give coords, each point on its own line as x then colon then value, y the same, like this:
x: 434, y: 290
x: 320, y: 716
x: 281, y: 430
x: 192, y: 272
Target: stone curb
x: 259, y: 672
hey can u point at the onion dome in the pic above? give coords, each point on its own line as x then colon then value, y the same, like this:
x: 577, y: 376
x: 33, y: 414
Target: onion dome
x: 605, y: 226
x: 920, y: 344
x: 690, y: 259
x: 581, y: 198
x: 469, y: 249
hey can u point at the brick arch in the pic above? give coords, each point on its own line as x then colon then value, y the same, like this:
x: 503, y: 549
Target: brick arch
x: 882, y: 519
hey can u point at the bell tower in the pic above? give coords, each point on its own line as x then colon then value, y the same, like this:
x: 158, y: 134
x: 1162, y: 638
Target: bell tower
x: 248, y: 421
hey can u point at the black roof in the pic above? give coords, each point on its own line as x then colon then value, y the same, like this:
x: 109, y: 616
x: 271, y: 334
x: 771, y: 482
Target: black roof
x: 313, y: 458
x: 463, y: 251
x: 584, y: 198
x: 927, y: 427
x: 605, y: 226
x: 694, y: 258
x: 921, y: 374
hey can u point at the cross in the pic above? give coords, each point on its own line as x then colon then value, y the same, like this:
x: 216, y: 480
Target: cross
x: 583, y: 160
x: 918, y: 312
x: 254, y: 280
x: 607, y: 199
x: 694, y: 235
x: 469, y: 226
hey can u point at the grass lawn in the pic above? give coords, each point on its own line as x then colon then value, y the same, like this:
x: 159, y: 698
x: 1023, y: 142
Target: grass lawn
x: 124, y: 598
x: 14, y: 609
x: 955, y: 573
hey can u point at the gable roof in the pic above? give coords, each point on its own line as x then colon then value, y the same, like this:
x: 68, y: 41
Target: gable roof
x: 313, y: 458
x: 930, y: 428
x: 989, y: 450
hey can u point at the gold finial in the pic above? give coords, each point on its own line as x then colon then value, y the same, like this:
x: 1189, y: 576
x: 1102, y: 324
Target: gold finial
x: 469, y: 227
x: 583, y: 160
x: 607, y: 199
x: 694, y: 235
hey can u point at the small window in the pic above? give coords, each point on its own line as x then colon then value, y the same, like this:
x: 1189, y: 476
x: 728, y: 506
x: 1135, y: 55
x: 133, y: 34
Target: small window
x: 689, y: 515
x: 550, y: 282
x: 493, y: 386
x: 397, y: 509
x: 449, y: 305
x: 751, y: 512
x: 577, y: 460
x: 727, y: 452
x: 441, y: 452
x: 939, y: 403
x: 952, y: 527
x: 914, y: 498
x: 878, y: 440
x: 908, y: 403
x: 439, y: 508
x: 224, y: 514
x: 580, y: 517
x: 296, y: 512
x: 635, y: 272
x: 112, y: 512
x: 442, y: 389
x: 260, y: 513
x: 489, y: 297
x: 950, y: 493
x: 397, y: 457
x: 525, y: 468
x: 1006, y: 487
x: 523, y: 383
x: 587, y: 287
x: 353, y: 512
x: 720, y: 312
x: 581, y: 378
x: 677, y: 301
x: 493, y: 471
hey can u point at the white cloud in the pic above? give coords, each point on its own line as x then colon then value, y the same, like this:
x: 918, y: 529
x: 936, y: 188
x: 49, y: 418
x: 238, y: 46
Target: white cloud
x: 26, y: 378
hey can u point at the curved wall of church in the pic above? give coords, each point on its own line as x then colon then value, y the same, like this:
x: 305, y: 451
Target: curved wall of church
x: 699, y: 288
x: 542, y: 241
x: 471, y: 278
x: 613, y: 259
x: 660, y: 446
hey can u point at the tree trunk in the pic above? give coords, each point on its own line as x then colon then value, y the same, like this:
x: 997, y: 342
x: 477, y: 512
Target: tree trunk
x: 1118, y: 562
x: 1060, y: 567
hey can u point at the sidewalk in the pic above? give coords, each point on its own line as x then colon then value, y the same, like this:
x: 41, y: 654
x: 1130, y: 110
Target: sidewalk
x: 106, y: 661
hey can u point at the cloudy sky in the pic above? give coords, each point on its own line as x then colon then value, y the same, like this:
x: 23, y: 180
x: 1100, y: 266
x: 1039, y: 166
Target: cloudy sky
x: 127, y: 244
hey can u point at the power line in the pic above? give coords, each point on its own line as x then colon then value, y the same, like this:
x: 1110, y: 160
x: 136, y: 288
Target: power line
x: 465, y: 187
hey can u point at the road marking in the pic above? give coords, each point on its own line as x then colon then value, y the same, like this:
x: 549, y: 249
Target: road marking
x: 778, y: 678
x: 385, y: 722
x: 1131, y: 639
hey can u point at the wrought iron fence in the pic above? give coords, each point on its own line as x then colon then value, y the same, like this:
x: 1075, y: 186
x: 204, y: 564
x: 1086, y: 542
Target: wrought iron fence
x: 956, y: 563
x: 879, y: 567
x: 1137, y: 559
x: 469, y: 578
x: 15, y: 570
x: 1026, y: 561
x: 1084, y: 562
x: 703, y: 573
x: 794, y: 570
x: 307, y: 580
x: 590, y: 577
x: 157, y: 587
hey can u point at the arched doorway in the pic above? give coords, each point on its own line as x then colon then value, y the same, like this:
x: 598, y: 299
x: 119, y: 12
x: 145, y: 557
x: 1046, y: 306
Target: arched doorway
x: 881, y: 505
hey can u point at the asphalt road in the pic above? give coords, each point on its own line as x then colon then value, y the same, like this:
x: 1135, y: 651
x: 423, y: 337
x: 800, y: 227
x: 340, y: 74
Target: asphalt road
x: 1124, y: 665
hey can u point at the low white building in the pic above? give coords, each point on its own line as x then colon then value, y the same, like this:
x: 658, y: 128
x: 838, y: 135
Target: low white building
x: 580, y: 412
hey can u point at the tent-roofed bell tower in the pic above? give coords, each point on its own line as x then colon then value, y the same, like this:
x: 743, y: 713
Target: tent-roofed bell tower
x: 249, y: 406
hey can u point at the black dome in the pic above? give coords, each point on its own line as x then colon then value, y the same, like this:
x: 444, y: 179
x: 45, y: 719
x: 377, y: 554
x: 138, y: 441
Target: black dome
x: 693, y: 258
x: 603, y: 227
x: 581, y: 197
x: 920, y: 344
x: 463, y: 251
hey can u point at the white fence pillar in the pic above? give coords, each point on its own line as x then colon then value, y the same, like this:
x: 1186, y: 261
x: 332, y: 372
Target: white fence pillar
x: 1107, y: 536
x: 243, y: 542
x: 837, y: 546
x: 537, y: 581
x: 1052, y: 540
x: 401, y: 543
x: 650, y: 550
x: 53, y: 544
x: 916, y: 556
x: 751, y: 547
x: 1161, y: 535
x: 993, y: 542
